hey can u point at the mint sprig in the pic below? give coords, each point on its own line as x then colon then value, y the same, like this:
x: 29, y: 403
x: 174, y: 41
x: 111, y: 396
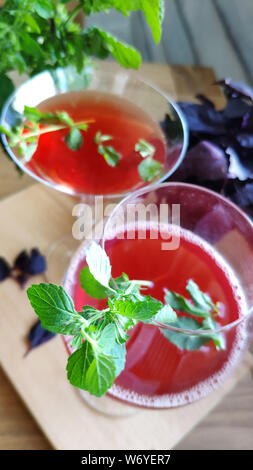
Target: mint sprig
x: 199, y: 305
x: 25, y: 137
x: 43, y: 35
x: 100, y: 335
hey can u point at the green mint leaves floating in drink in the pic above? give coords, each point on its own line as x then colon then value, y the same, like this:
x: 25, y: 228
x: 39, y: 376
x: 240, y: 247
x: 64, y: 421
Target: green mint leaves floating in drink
x: 148, y: 168
x: 144, y: 148
x: 100, y: 335
x: 199, y: 305
x: 74, y: 139
x: 109, y: 153
x: 25, y: 137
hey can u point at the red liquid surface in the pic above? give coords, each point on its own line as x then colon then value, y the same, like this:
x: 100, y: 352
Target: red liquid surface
x: 85, y: 170
x: 154, y: 366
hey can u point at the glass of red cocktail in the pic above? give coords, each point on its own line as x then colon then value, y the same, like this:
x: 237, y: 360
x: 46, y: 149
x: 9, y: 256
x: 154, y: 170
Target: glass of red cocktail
x: 118, y: 106
x: 171, y: 233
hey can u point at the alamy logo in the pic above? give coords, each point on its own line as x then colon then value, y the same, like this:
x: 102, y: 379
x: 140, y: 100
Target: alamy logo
x: 129, y: 221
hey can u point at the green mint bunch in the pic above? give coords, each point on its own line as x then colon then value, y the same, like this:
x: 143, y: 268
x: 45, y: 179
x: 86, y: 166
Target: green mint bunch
x: 37, y: 35
x: 99, y: 336
x: 25, y: 137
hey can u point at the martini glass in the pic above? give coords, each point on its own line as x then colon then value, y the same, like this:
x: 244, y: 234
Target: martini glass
x: 170, y: 233
x: 76, y: 173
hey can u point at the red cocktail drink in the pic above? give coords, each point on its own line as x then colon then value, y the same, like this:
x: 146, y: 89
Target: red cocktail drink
x: 115, y: 104
x: 154, y: 365
x: 215, y: 251
x: 85, y: 170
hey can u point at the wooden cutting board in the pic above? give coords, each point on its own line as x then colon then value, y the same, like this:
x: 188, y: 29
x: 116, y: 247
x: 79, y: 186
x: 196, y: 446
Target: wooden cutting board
x: 39, y: 216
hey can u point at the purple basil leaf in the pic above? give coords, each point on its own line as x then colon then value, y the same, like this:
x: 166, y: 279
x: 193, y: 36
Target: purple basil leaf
x: 247, y: 122
x: 235, y: 89
x: 236, y: 109
x: 240, y: 162
x: 38, y: 335
x: 33, y: 263
x: 204, y: 100
x: 205, y: 161
x: 245, y: 140
x: 37, y: 264
x: 22, y: 261
x: 5, y: 270
x: 204, y: 119
x: 240, y: 192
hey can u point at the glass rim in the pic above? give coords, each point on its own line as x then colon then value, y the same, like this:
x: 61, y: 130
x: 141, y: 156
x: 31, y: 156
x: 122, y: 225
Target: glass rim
x: 133, y: 76
x: 221, y: 329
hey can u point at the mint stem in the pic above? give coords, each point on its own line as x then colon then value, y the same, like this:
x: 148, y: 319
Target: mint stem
x: 48, y: 129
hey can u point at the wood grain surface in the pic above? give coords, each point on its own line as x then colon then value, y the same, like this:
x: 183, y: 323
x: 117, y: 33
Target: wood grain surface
x: 231, y: 424
x: 42, y: 214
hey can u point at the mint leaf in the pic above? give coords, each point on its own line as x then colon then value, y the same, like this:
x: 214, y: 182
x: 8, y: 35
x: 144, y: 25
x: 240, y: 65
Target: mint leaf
x: 30, y: 46
x: 166, y: 315
x: 107, y: 338
x: 100, y: 374
x: 100, y: 43
x: 74, y: 139
x: 218, y: 338
x: 6, y: 87
x: 122, y: 283
x: 78, y: 365
x: 118, y: 353
x: 55, y: 308
x: 152, y: 9
x: 99, y: 264
x: 77, y: 341
x: 144, y: 148
x: 154, y: 12
x: 107, y: 342
x: 181, y: 304
x: 200, y: 299
x: 64, y: 117
x: 149, y: 169
x: 186, y: 341
x: 32, y: 24
x: 28, y: 151
x: 35, y: 115
x: 44, y: 8
x: 137, y: 310
x: 122, y: 327
x: 91, y: 286
x: 99, y: 138
x: 89, y: 312
x: 110, y: 155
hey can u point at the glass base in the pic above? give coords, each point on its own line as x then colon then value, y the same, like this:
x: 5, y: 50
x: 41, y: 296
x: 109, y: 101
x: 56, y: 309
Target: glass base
x: 58, y: 257
x: 109, y: 406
